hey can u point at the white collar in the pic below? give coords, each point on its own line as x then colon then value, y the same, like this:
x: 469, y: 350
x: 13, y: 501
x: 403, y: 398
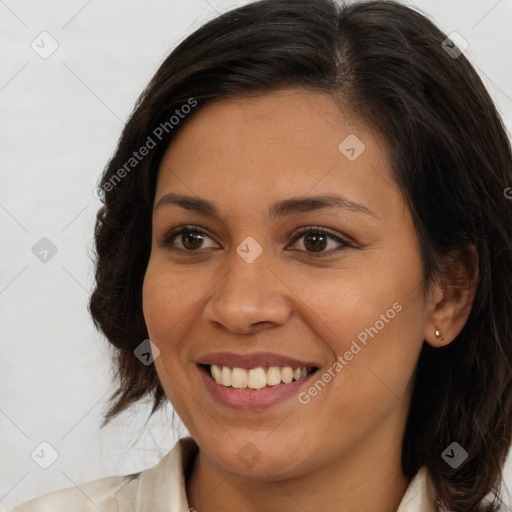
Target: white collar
x: 162, y: 487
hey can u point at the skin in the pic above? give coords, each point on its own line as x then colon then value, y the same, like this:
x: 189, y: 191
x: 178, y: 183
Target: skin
x: 342, y: 450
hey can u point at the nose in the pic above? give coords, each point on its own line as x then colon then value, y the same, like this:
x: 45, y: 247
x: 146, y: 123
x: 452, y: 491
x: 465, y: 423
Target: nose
x: 250, y: 297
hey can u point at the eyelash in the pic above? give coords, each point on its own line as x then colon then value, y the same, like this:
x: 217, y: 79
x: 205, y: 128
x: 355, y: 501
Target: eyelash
x: 169, y: 238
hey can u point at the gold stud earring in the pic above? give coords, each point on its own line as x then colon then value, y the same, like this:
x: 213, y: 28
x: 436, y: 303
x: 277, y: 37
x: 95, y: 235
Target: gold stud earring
x: 439, y: 334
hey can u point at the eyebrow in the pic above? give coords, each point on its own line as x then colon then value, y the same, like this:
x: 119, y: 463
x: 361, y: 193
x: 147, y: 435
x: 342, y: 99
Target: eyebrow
x: 277, y: 210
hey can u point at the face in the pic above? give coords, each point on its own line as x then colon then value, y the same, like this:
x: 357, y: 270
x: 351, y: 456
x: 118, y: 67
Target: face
x: 257, y: 288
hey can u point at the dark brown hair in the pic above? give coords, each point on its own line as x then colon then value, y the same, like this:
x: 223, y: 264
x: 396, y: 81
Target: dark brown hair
x: 388, y: 65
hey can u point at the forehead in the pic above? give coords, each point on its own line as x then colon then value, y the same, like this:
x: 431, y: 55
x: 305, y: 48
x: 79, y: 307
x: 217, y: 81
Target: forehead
x: 289, y: 119
x: 279, y: 144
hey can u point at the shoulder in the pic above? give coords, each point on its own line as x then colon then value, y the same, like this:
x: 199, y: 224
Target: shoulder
x: 159, y: 488
x: 110, y: 494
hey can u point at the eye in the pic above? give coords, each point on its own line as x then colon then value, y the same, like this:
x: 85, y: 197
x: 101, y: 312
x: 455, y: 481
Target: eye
x: 317, y: 239
x: 190, y: 237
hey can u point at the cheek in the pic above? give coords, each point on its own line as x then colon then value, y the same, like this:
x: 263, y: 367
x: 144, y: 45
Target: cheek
x: 351, y: 303
x: 164, y: 301
x: 376, y: 318
x: 154, y: 300
x: 164, y: 309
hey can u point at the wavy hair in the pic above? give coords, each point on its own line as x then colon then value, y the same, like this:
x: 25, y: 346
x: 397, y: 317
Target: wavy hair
x: 391, y: 66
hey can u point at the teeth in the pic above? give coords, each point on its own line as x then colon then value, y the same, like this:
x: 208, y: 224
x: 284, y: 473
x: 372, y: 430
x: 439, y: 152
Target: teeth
x: 226, y: 376
x: 273, y: 376
x: 255, y: 378
x: 239, y: 378
x: 287, y: 375
x: 217, y: 373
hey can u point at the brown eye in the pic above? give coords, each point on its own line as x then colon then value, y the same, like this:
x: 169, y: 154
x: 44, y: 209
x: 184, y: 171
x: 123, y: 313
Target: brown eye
x: 191, y: 241
x: 190, y: 238
x: 317, y: 240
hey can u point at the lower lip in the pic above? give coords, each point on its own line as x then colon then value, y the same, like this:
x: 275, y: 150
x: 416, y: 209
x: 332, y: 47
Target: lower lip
x: 247, y: 399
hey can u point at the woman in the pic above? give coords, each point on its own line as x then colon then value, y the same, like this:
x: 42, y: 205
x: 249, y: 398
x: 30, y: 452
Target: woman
x: 307, y: 216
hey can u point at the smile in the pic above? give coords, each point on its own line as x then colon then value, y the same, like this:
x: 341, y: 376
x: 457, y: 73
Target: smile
x: 253, y: 389
x: 256, y: 378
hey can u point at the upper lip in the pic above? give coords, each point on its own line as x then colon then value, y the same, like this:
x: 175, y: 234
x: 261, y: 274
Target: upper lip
x: 253, y: 360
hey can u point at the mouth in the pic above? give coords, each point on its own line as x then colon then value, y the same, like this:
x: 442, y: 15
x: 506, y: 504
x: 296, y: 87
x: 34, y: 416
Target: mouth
x: 258, y: 378
x: 255, y: 381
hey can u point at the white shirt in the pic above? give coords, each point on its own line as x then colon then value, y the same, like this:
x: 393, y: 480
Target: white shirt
x: 162, y: 489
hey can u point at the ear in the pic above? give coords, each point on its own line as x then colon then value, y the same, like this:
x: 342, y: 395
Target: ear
x: 451, y: 298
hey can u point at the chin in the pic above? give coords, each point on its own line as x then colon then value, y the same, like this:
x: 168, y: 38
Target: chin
x: 262, y: 460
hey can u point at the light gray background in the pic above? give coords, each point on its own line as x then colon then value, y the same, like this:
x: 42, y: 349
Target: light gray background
x: 60, y: 120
